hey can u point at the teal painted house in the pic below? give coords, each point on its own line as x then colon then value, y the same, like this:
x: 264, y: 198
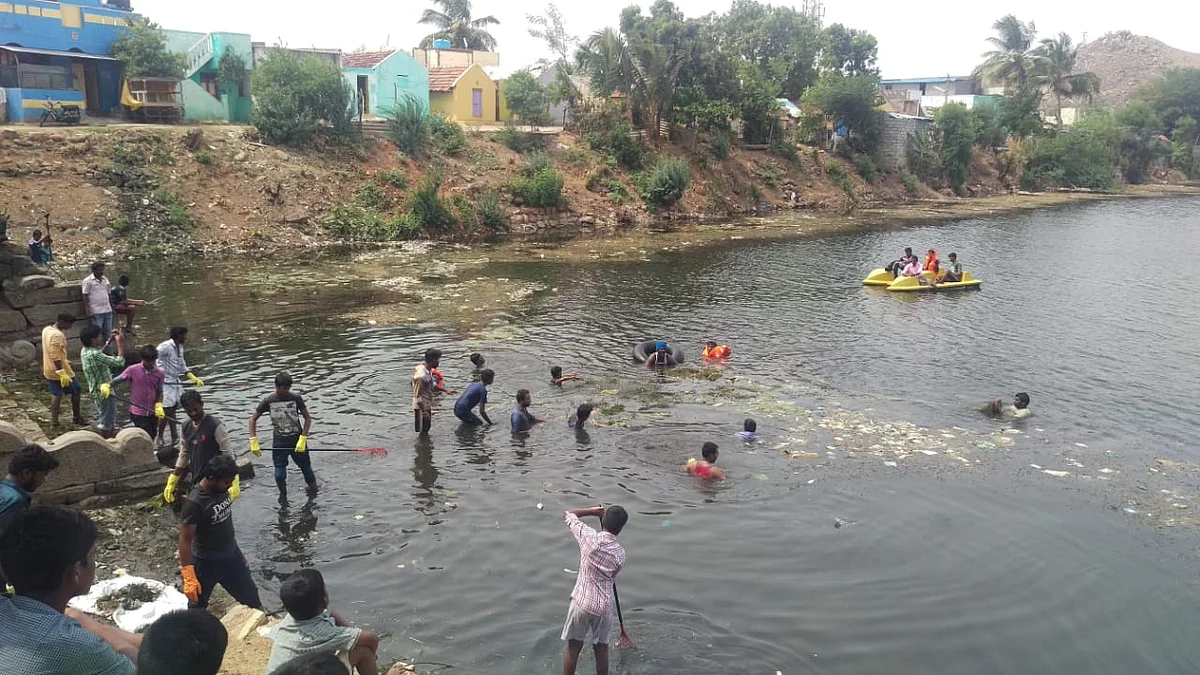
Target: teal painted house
x: 204, y: 100
x: 380, y: 79
x: 59, y: 50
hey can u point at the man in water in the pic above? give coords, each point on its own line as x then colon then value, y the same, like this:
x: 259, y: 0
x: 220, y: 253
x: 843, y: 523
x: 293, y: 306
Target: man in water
x: 208, y: 551
x: 122, y: 304
x: 96, y: 298
x: 174, y: 365
x: 661, y: 356
x: 1018, y: 410
x: 476, y: 394
x: 289, y: 439
x: 424, y: 384
x: 204, y: 437
x: 56, y: 368
x: 897, y: 266
x: 523, y: 418
x: 601, y: 559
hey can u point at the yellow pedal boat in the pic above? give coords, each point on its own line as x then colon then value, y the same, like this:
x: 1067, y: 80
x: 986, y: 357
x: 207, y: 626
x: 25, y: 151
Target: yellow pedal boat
x: 882, y: 277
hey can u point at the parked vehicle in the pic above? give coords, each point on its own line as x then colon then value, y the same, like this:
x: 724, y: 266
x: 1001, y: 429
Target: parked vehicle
x: 59, y: 113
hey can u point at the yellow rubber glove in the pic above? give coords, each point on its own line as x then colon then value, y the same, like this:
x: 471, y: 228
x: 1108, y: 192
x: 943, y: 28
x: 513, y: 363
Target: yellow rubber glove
x: 159, y: 412
x: 302, y: 444
x: 235, y: 490
x: 169, y: 490
x: 255, y: 447
x: 105, y: 390
x: 191, y: 585
x: 195, y: 380
x: 64, y: 379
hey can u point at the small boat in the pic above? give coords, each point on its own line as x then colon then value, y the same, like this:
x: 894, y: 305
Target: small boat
x: 882, y: 277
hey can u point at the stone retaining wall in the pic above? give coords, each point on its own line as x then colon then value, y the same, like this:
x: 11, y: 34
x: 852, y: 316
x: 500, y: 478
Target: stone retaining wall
x: 30, y: 301
x: 93, y: 471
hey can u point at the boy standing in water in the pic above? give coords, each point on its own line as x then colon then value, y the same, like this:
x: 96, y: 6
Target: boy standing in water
x: 601, y: 559
x: 423, y: 386
x: 523, y: 418
x: 289, y: 438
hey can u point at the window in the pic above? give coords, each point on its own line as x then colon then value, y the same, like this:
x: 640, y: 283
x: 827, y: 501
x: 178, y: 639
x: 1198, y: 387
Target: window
x: 45, y: 77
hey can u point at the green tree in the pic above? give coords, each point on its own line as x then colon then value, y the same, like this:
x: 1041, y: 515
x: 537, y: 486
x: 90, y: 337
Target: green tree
x: 1183, y: 146
x: 1176, y: 94
x: 455, y: 23
x: 527, y: 99
x: 1020, y: 112
x: 1085, y: 155
x: 957, y: 127
x: 849, y: 100
x: 1012, y: 62
x: 551, y: 29
x: 142, y: 47
x: 849, y: 51
x: 1139, y: 141
x: 231, y: 70
x: 294, y: 95
x: 605, y: 58
x: 1056, y: 73
x: 780, y: 42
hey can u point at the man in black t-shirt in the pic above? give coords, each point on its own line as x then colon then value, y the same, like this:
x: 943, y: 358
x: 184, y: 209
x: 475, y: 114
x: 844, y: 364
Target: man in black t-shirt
x: 290, y: 438
x: 208, y: 552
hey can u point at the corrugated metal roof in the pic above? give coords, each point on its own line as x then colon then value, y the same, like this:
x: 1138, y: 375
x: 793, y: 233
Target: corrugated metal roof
x: 927, y: 80
x: 443, y: 79
x: 51, y: 52
x: 365, y: 59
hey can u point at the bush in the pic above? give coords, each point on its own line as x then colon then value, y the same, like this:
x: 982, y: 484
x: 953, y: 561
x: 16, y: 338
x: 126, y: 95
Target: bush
x: 617, y: 143
x: 541, y: 189
x: 1083, y: 156
x: 867, y: 168
x: 518, y: 141
x: 357, y: 223
x: 394, y: 177
x: 577, y: 157
x: 408, y: 127
x: 204, y: 157
x: 667, y: 182
x: 426, y: 207
x: 294, y: 95
x: 448, y: 136
x: 786, y: 149
x: 536, y: 163
x: 371, y: 196
x: 491, y: 212
x: 527, y: 99
x: 835, y: 171
x: 909, y: 182
x: 957, y: 125
x: 721, y: 146
x: 142, y: 49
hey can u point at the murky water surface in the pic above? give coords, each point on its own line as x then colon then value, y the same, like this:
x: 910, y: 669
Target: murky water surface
x: 881, y: 525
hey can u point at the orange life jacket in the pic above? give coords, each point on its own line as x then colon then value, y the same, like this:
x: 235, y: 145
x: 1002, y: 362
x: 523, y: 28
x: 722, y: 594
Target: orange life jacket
x: 438, y: 381
x: 718, y: 352
x: 931, y: 262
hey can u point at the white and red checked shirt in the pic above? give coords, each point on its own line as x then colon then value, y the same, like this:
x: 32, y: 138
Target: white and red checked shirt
x: 600, y: 561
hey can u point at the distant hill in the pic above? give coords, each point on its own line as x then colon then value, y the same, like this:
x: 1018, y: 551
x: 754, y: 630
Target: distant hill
x: 1125, y: 61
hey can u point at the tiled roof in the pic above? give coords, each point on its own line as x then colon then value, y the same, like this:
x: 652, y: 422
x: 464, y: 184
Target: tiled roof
x: 365, y: 59
x: 443, y: 79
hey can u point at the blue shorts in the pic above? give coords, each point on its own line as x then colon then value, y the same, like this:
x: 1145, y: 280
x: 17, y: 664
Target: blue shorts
x: 56, y: 388
x: 467, y: 416
x: 103, y: 321
x: 106, y: 410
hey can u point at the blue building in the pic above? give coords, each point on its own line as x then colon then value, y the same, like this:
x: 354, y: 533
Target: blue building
x: 59, y: 51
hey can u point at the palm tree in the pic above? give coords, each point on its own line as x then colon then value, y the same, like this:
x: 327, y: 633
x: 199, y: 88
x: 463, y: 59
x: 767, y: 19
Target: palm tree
x: 1056, y: 65
x: 655, y: 72
x: 604, y: 56
x: 454, y: 23
x: 1012, y: 62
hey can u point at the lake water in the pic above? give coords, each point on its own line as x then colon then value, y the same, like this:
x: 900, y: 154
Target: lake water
x: 953, y: 550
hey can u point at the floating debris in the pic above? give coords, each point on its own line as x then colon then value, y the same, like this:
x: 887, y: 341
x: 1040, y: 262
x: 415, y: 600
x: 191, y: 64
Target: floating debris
x: 1056, y: 474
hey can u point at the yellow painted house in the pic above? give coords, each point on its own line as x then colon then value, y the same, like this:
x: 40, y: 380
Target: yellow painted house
x: 465, y: 94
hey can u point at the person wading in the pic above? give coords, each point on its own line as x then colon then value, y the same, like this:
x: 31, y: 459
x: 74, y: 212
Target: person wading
x: 290, y: 439
x: 423, y: 387
x: 204, y: 437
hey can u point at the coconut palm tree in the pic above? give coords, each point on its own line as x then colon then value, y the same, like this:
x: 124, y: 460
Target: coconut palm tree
x: 1056, y: 72
x: 454, y: 23
x: 604, y: 56
x: 1012, y: 62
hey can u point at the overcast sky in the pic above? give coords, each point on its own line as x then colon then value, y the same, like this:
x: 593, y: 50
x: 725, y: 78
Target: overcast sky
x: 916, y: 39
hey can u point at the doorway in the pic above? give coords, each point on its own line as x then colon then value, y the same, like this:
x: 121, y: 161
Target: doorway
x: 364, y: 96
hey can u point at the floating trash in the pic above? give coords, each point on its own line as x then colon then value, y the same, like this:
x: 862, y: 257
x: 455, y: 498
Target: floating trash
x: 1080, y: 445
x: 1056, y: 474
x: 540, y: 506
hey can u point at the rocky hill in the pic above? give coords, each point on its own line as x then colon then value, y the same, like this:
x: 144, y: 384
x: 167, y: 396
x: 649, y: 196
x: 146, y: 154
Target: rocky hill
x: 1125, y: 61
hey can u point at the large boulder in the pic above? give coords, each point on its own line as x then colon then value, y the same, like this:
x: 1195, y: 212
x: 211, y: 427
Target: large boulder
x: 51, y: 295
x: 11, y: 441
x: 11, y: 320
x: 44, y: 315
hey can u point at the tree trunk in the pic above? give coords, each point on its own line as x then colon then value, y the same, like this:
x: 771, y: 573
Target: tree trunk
x: 1058, y: 102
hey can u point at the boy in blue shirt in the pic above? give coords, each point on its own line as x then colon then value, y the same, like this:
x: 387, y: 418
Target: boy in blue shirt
x: 475, y: 395
x: 523, y: 418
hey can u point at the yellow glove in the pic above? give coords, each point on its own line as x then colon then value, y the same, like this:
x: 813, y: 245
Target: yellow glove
x: 235, y: 490
x: 63, y: 378
x: 302, y: 444
x: 159, y: 412
x: 195, y: 380
x: 169, y: 491
x: 191, y: 585
x: 255, y: 447
x: 105, y: 390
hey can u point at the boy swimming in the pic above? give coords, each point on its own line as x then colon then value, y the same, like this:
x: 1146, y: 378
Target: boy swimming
x: 706, y: 467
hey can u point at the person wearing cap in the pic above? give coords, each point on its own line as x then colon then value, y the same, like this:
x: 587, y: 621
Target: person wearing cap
x: 661, y: 356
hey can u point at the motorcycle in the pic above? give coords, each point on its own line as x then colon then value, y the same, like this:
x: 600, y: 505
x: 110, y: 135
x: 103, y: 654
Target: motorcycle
x: 59, y: 113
